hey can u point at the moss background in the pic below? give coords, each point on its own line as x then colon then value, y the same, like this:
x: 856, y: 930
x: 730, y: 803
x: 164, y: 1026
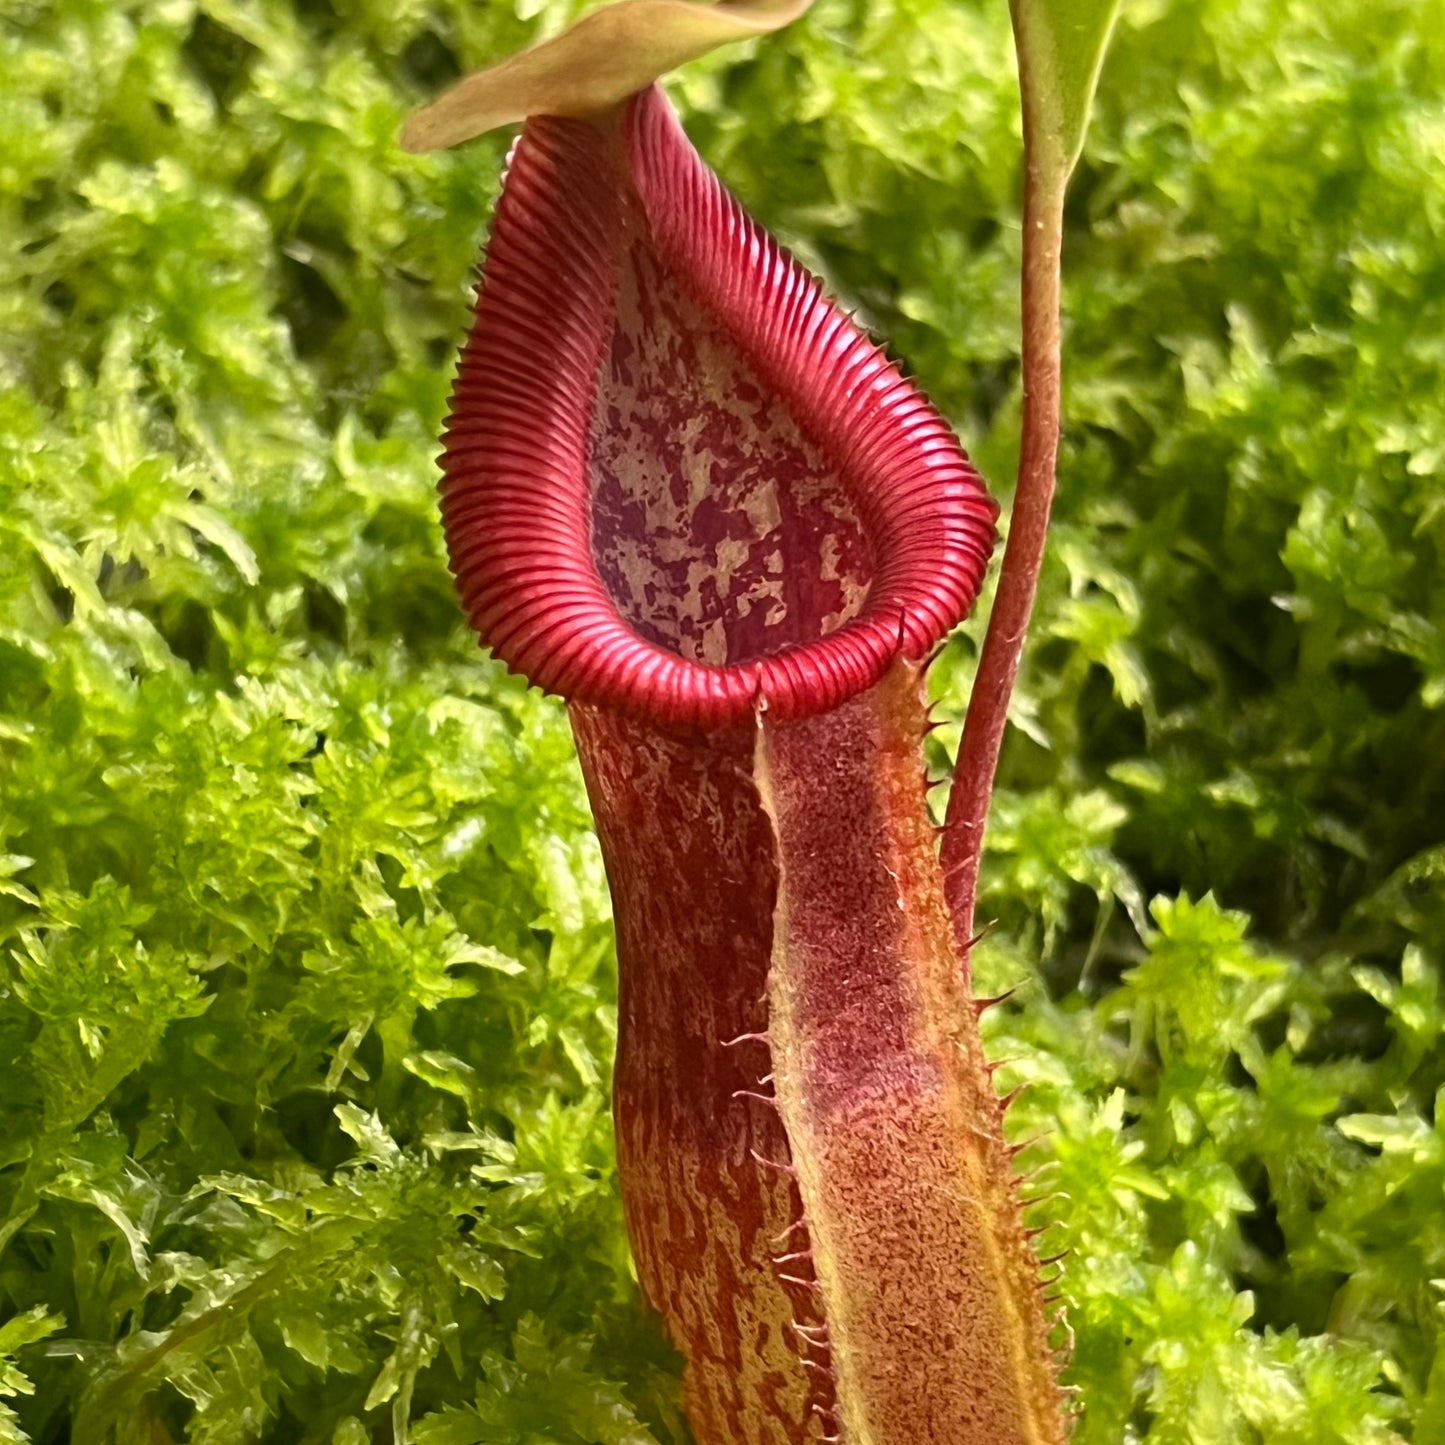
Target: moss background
x: 306, y: 988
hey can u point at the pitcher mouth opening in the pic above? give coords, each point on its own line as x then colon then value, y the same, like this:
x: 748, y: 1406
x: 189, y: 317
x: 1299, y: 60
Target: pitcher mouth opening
x: 678, y: 482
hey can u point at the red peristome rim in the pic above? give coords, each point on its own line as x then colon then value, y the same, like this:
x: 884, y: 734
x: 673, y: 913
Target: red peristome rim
x: 516, y: 491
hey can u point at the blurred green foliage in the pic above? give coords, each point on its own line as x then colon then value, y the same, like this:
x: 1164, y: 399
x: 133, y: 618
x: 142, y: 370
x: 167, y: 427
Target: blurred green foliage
x: 306, y: 996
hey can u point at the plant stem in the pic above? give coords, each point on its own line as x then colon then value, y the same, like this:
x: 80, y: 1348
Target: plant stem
x: 998, y: 666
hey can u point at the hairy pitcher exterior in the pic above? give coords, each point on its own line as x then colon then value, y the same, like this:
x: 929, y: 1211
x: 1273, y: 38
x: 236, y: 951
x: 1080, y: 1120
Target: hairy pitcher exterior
x: 685, y: 493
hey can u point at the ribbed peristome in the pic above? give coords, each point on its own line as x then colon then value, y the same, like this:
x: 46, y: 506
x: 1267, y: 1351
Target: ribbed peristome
x: 678, y: 479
